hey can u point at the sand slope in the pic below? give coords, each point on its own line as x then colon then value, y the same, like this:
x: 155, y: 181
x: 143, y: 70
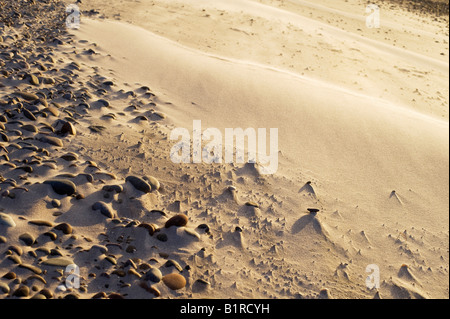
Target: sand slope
x: 373, y: 162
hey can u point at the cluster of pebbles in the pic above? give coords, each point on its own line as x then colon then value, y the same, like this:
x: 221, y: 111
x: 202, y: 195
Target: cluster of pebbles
x: 41, y: 112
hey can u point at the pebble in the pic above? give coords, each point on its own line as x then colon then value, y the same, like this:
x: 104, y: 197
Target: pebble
x: 62, y: 186
x: 113, y: 188
x: 16, y: 249
x: 29, y: 115
x: 130, y: 249
x: 151, y: 228
x: 56, y: 203
x: 162, y: 237
x: 6, y: 220
x: 179, y: 220
x: 325, y: 294
x: 52, y: 110
x: 104, y: 209
x: 154, y: 183
x: 173, y: 263
x: 33, y: 268
x: 28, y: 96
x: 47, y: 293
x: 119, y: 273
x: 65, y: 228
x: 139, y: 184
x: 51, y: 140
x: 313, y: 210
x: 192, y: 233
x: 70, y: 157
x: 30, y: 128
x: 36, y: 277
x: 111, y: 259
x: 4, y: 288
x: 41, y: 223
x: 51, y: 235
x: 22, y: 291
x: 100, y: 295
x: 174, y: 281
x: 251, y: 204
x: 33, y: 79
x: 58, y: 261
x: 133, y: 272
x: 68, y: 128
x: 27, y: 238
x: 10, y: 276
x: 150, y: 289
x: 154, y: 275
x: 100, y: 248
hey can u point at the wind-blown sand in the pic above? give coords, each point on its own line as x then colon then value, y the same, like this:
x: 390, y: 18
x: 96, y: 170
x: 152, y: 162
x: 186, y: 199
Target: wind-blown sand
x: 362, y: 116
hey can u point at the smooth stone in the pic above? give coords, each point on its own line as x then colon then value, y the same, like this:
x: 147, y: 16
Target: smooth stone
x: 36, y: 277
x: 173, y: 263
x: 154, y: 183
x: 47, y: 293
x: 45, y: 223
x: 68, y: 128
x: 192, y: 233
x: 113, y: 188
x: 4, y: 137
x: 154, y: 275
x: 162, y: 237
x: 130, y: 249
x: 70, y: 157
x: 51, y: 140
x: 111, y: 259
x: 16, y: 249
x: 33, y: 79
x: 97, y: 128
x: 65, y: 228
x: 56, y: 203
x: 104, y: 209
x: 51, y: 235
x: 4, y: 288
x: 179, y: 220
x: 100, y: 248
x: 58, y: 261
x: 119, y: 273
x: 28, y: 96
x: 27, y: 238
x: 151, y: 228
x: 150, y: 289
x: 251, y: 204
x: 15, y: 259
x: 10, y: 275
x: 6, y: 220
x: 174, y: 281
x: 62, y: 187
x: 22, y: 291
x: 30, y: 128
x: 139, y: 184
x: 29, y: 115
x: 33, y: 268
x: 52, y: 110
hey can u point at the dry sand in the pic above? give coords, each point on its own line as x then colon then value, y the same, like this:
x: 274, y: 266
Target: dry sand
x: 362, y: 116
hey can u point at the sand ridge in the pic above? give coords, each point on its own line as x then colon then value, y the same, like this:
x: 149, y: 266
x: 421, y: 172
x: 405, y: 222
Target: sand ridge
x: 380, y: 197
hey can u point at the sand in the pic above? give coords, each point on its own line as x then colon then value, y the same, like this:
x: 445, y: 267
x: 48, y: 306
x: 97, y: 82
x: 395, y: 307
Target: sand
x: 362, y: 165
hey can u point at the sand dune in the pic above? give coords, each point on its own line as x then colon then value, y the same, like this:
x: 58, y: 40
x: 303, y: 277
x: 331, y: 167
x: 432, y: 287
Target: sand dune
x: 87, y: 178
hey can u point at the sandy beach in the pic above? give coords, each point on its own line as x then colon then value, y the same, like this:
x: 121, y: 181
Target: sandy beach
x: 119, y: 176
